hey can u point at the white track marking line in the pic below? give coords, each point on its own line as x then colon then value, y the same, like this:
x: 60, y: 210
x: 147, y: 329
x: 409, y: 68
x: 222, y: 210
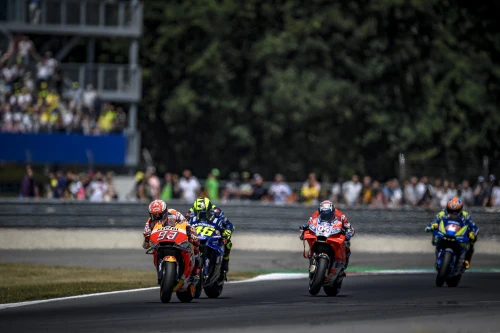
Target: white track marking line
x: 258, y: 278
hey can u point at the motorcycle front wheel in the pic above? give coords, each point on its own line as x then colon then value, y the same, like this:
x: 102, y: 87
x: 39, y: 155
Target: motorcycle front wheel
x: 316, y: 282
x: 168, y: 281
x: 444, y: 269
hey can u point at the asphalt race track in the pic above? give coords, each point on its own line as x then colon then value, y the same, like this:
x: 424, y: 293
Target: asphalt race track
x: 377, y: 303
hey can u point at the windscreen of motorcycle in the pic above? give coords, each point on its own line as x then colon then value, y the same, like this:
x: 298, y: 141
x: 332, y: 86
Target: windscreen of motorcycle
x: 325, y: 229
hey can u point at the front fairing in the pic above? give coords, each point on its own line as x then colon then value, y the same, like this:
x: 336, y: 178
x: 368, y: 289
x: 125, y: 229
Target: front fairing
x: 452, y: 230
x: 209, y: 234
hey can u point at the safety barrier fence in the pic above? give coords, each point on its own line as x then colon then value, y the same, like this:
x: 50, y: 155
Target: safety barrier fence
x: 251, y: 217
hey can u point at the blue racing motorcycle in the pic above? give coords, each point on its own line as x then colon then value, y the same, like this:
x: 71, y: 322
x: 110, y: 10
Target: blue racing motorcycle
x: 211, y: 255
x: 451, y: 239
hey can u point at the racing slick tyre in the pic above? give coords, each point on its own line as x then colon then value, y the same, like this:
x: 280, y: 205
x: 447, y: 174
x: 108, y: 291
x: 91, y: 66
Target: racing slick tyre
x: 215, y: 290
x: 334, y: 289
x: 453, y: 281
x: 444, y: 269
x: 185, y: 296
x: 168, y: 281
x: 316, y: 282
x: 199, y: 287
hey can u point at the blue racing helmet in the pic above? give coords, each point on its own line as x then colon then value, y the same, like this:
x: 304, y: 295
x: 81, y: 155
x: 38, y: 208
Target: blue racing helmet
x: 326, y: 210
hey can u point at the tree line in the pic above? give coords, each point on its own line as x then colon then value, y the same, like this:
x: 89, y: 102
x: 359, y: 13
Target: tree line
x: 332, y: 87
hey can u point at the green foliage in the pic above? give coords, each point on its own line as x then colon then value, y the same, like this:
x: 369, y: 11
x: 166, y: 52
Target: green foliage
x: 332, y: 87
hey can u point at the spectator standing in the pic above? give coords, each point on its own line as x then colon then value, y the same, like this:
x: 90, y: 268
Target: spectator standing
x: 337, y: 195
x: 495, y: 196
x: 60, y: 187
x: 411, y: 194
x: 480, y: 192
x: 153, y: 183
x: 245, y: 188
x: 139, y: 189
x: 351, y: 190
x: 110, y: 193
x: 466, y: 193
x: 279, y: 190
x: 89, y: 97
x: 167, y: 192
x: 258, y: 190
x: 378, y: 198
x: 489, y: 191
x: 311, y: 177
x: 366, y: 196
x: 422, y: 187
x: 438, y: 192
x: 97, y: 188
x: 25, y: 48
x: 189, y: 186
x: 310, y: 191
x: 393, y: 193
x: 231, y: 189
x: 43, y: 71
x: 29, y: 188
x: 212, y: 185
x: 77, y: 188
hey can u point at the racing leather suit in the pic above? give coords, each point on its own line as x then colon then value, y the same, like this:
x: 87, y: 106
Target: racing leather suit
x: 227, y: 230
x: 349, y: 230
x: 173, y: 218
x: 466, y: 220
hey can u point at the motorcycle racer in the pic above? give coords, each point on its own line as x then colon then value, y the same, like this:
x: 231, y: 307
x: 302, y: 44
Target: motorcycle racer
x: 159, y: 212
x: 204, y: 210
x: 454, y: 210
x: 327, y: 212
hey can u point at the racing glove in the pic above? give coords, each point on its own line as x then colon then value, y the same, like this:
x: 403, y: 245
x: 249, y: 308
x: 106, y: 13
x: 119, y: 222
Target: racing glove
x: 472, y: 236
x: 432, y: 227
x: 227, y: 233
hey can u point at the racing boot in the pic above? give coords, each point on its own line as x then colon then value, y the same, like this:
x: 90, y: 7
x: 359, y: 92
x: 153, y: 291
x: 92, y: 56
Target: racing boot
x: 195, y: 274
x: 225, y: 260
x: 347, y: 255
x: 468, y: 257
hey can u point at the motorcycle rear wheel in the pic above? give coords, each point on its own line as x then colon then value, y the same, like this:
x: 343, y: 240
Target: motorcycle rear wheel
x: 444, y: 269
x: 199, y: 287
x: 215, y: 290
x: 168, y: 281
x: 318, y: 278
x: 185, y: 296
x: 453, y: 281
x: 334, y: 289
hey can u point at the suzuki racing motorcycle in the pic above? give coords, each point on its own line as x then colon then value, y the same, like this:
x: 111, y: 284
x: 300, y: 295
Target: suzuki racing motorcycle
x: 452, y: 241
x: 212, y: 253
x: 174, y: 255
x: 327, y: 255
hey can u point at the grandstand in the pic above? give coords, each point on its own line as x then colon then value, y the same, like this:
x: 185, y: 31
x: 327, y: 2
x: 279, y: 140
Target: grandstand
x: 53, y: 111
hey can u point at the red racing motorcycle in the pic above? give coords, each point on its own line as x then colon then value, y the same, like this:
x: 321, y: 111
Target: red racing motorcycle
x: 327, y: 255
x: 174, y: 256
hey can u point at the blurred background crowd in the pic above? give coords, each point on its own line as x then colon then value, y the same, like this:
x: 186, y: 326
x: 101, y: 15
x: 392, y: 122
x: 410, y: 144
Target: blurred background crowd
x: 431, y: 193
x: 32, y: 98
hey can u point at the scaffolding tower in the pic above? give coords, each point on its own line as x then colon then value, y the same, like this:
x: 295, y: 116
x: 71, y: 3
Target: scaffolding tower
x: 89, y: 19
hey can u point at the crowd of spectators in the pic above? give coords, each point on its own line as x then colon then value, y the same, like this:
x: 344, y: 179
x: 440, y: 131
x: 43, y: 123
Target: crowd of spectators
x: 32, y: 100
x: 423, y: 192
x: 95, y: 187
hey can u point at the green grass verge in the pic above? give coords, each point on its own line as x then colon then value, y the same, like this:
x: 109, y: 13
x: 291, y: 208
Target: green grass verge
x: 27, y: 282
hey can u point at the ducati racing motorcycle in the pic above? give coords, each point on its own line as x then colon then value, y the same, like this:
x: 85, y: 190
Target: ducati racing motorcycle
x: 327, y: 255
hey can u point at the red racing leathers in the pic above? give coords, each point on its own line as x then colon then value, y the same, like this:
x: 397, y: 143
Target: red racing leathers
x: 173, y: 218
x: 349, y: 230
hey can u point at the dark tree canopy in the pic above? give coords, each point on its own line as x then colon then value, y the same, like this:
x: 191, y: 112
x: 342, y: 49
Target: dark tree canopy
x: 315, y: 85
